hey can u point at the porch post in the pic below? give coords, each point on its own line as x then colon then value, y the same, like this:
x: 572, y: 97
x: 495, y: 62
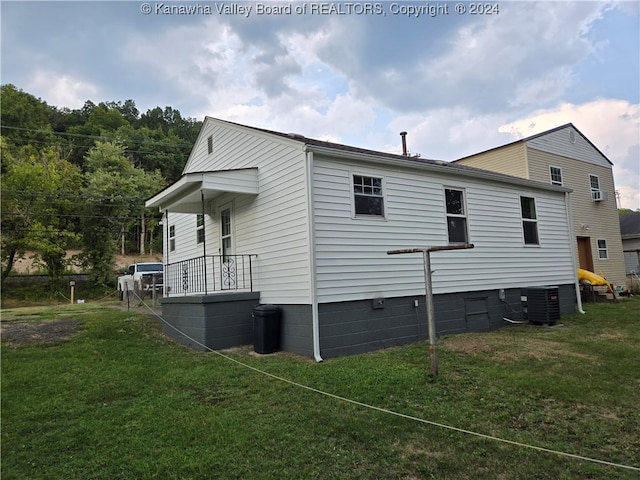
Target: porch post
x: 204, y: 243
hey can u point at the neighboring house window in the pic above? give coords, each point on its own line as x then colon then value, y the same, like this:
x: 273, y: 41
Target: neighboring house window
x: 367, y: 194
x: 200, y: 228
x: 603, y: 251
x: 556, y: 175
x: 456, y: 215
x: 172, y: 238
x: 529, y: 220
x: 210, y: 144
x: 594, y: 183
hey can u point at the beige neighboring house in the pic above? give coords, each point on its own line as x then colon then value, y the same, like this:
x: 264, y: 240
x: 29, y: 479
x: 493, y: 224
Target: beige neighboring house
x: 564, y: 156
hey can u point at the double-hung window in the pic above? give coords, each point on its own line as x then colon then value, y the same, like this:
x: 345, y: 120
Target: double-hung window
x: 594, y: 184
x: 200, y: 228
x: 529, y: 220
x: 603, y: 250
x: 456, y: 215
x: 172, y: 238
x: 368, y: 196
x: 555, y: 174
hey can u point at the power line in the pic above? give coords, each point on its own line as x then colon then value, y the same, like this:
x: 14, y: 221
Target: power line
x: 387, y: 411
x: 98, y: 137
x: 60, y: 215
x: 123, y: 200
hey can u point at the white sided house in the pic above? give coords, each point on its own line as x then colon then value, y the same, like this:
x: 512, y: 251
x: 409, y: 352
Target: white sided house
x: 274, y: 218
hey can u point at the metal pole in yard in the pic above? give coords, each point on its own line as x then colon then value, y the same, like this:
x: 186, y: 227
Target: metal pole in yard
x: 431, y: 322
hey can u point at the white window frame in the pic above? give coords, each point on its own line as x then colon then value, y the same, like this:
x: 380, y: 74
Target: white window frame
x: 528, y: 220
x: 591, y: 187
x: 382, y: 196
x: 602, y: 250
x: 199, y: 228
x: 559, y: 182
x: 463, y: 215
x: 172, y: 238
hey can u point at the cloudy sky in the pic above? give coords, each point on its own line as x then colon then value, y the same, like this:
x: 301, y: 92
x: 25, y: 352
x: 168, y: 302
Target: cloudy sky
x: 352, y: 72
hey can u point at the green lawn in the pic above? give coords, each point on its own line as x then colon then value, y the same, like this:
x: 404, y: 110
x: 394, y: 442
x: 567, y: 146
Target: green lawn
x: 117, y: 400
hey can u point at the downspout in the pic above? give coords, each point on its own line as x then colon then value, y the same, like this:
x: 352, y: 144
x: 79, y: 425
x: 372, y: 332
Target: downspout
x: 315, y: 316
x: 567, y: 205
x: 166, y: 255
x: 204, y: 243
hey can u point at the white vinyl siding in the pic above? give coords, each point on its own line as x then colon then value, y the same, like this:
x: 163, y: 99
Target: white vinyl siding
x: 532, y: 159
x: 273, y: 224
x: 352, y: 260
x: 559, y: 143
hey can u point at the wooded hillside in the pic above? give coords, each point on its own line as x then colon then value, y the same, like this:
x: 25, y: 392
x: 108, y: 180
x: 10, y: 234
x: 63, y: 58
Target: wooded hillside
x: 78, y: 179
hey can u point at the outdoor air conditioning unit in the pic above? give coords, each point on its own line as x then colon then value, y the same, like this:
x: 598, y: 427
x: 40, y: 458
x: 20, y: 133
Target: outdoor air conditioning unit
x: 598, y: 195
x: 543, y: 305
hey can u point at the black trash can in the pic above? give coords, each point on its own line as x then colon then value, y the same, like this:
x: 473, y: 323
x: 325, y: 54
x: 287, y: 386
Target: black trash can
x: 266, y: 328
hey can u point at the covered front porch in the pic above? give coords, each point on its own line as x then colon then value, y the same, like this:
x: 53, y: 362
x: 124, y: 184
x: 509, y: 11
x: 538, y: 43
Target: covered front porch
x: 209, y: 274
x: 209, y: 289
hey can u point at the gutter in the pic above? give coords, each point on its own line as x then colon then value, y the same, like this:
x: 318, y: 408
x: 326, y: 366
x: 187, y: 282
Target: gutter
x: 567, y: 203
x: 315, y: 316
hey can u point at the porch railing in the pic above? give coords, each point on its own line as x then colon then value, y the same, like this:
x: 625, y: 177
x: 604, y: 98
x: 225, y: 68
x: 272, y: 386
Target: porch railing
x: 209, y: 274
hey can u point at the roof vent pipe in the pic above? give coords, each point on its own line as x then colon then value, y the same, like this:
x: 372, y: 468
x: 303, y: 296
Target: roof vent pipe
x: 404, y: 143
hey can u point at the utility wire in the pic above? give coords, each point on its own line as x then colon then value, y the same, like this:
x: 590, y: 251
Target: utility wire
x: 100, y: 137
x: 386, y: 411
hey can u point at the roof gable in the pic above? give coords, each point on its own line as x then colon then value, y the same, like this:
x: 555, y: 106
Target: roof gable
x: 550, y: 141
x: 567, y: 141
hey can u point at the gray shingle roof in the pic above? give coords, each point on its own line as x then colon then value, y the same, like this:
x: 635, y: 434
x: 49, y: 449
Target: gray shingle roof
x: 630, y: 224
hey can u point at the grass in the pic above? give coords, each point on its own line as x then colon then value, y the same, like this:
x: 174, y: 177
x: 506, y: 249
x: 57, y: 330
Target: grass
x: 45, y: 294
x: 118, y: 400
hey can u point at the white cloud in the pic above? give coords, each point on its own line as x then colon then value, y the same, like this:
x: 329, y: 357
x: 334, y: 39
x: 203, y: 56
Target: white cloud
x: 61, y: 90
x: 523, y: 57
x: 446, y: 134
x: 612, y: 125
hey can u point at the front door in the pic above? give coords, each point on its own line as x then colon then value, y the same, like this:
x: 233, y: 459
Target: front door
x: 227, y: 260
x: 226, y: 232
x: 585, y: 258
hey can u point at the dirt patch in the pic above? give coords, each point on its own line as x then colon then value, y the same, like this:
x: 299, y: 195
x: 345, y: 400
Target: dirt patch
x: 511, y: 350
x: 28, y: 333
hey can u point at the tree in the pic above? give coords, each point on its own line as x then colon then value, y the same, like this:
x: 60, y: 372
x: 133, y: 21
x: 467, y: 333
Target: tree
x: 25, y: 118
x: 114, y: 194
x: 39, y: 199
